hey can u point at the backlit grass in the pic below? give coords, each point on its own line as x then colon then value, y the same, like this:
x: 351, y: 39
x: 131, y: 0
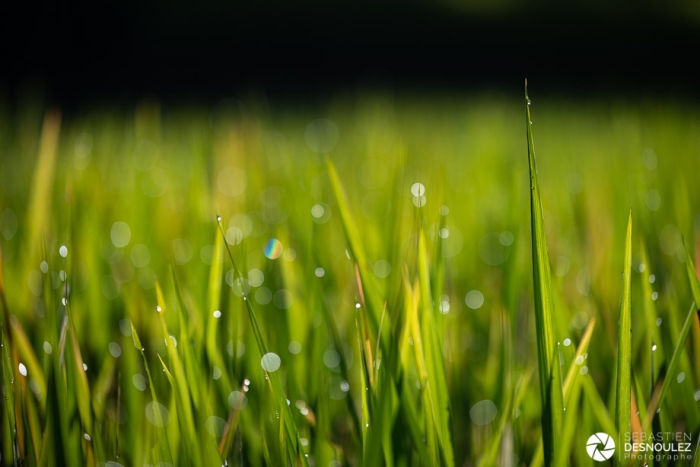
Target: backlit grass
x: 365, y: 281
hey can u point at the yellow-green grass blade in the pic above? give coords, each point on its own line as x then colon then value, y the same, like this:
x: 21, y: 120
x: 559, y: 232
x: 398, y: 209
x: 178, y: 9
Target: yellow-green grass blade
x: 372, y: 299
x: 426, y: 385
x: 192, y: 374
x: 549, y: 371
x: 41, y: 195
x: 29, y: 359
x: 437, y: 380
x: 572, y: 377
x: 179, y: 382
x: 293, y: 442
x: 213, y: 345
x: 623, y: 396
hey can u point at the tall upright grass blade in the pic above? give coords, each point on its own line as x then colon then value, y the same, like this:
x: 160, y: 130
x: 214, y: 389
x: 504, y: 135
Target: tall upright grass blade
x: 623, y: 405
x: 292, y: 438
x: 548, y: 356
x: 181, y: 385
x: 437, y: 380
x: 40, y: 204
x: 573, y: 378
x: 372, y: 298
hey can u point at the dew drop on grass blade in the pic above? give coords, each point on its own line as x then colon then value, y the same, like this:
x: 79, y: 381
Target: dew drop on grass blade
x: 549, y: 371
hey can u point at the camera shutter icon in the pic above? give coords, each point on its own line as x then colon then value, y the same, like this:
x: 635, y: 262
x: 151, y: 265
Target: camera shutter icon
x: 600, y: 447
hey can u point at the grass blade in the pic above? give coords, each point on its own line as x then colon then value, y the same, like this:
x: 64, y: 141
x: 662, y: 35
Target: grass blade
x: 293, y: 442
x: 682, y: 338
x: 549, y: 371
x: 624, y: 351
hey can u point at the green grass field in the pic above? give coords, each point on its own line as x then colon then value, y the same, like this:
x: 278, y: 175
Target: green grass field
x: 382, y: 308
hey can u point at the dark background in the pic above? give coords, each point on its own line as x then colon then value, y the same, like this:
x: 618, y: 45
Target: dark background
x: 109, y: 50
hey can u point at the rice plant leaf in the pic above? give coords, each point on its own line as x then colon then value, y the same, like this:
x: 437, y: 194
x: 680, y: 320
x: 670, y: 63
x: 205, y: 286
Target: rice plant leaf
x: 506, y: 415
x: 692, y: 275
x: 437, y: 380
x: 162, y: 449
x: 549, y: 371
x: 372, y: 299
x: 29, y: 359
x: 682, y: 338
x: 572, y: 377
x: 293, y: 439
x: 212, y: 342
x: 181, y: 386
x: 40, y: 204
x: 623, y: 404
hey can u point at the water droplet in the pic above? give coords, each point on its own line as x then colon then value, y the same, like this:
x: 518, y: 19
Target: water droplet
x: 114, y: 349
x: 44, y: 266
x: 320, y: 272
x: 417, y: 189
x: 294, y: 347
x: 157, y: 414
x: 22, y: 369
x: 317, y: 211
x: 331, y: 358
x: 158, y: 308
x: 653, y: 348
x: 218, y: 218
x: 63, y: 251
x: 567, y: 342
x: 87, y: 437
x: 215, y: 426
x: 217, y: 314
x: 85, y: 367
x: 474, y: 299
x: 47, y: 348
x: 483, y: 412
x: 273, y: 249
x: 270, y: 362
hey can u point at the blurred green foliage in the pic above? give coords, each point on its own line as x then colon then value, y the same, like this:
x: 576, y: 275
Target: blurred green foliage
x: 397, y: 292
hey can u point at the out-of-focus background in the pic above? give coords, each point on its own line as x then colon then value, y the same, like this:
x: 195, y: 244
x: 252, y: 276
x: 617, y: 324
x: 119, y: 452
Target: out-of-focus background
x: 78, y: 52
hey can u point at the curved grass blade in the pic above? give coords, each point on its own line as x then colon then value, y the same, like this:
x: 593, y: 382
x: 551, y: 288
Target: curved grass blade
x: 623, y: 396
x: 549, y: 371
